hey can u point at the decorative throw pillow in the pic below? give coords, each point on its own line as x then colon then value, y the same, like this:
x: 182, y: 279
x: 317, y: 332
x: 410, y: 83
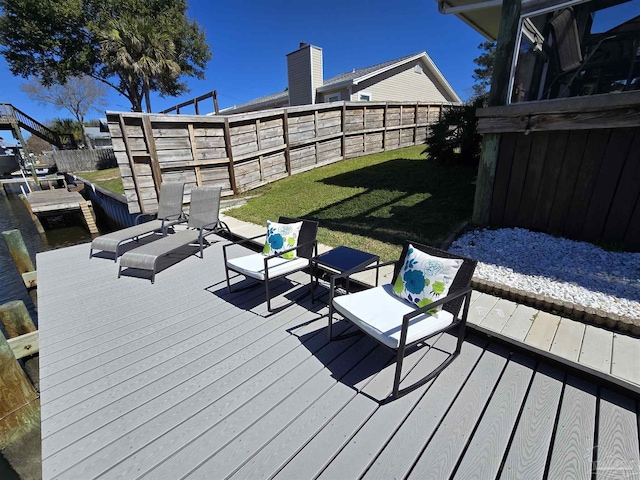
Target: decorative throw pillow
x: 281, y: 237
x: 423, y: 279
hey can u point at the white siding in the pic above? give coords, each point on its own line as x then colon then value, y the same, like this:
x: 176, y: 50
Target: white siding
x: 316, y: 72
x: 402, y: 84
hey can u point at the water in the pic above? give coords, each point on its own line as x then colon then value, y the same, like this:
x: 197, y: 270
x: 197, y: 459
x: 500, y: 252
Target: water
x: 14, y: 215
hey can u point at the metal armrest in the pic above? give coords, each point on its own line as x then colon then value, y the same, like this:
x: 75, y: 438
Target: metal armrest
x: 166, y: 222
x: 238, y: 242
x: 437, y: 303
x: 279, y: 254
x: 139, y: 216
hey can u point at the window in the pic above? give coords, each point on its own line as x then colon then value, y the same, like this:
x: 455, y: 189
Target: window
x: 364, y: 97
x: 583, y: 48
x: 332, y: 97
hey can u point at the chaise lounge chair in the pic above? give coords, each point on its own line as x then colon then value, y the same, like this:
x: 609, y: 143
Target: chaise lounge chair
x: 203, y: 220
x: 429, y: 289
x: 169, y: 213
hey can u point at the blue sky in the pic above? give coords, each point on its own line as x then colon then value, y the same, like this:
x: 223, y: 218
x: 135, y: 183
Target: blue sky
x: 250, y: 40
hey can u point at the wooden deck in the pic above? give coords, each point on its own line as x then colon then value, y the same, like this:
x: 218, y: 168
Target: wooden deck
x: 52, y: 200
x: 181, y: 380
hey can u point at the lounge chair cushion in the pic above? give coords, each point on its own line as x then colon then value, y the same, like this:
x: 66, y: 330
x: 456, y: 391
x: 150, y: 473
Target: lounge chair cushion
x: 145, y: 256
x: 378, y: 311
x: 281, y: 237
x: 423, y: 278
x: 253, y: 266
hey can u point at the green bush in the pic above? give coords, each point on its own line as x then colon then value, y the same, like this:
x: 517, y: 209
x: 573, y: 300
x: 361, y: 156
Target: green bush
x: 454, y: 139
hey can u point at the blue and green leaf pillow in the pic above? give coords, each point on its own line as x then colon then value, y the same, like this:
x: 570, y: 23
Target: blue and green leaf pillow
x: 281, y: 237
x: 423, y: 278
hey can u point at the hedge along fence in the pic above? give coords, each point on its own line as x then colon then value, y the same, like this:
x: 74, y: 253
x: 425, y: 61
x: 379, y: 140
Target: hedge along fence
x: 244, y: 151
x: 83, y: 160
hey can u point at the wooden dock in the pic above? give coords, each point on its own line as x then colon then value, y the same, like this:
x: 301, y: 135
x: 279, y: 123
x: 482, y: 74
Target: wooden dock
x: 180, y: 379
x: 59, y: 200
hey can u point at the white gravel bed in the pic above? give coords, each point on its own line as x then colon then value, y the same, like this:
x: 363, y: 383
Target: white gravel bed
x: 566, y: 270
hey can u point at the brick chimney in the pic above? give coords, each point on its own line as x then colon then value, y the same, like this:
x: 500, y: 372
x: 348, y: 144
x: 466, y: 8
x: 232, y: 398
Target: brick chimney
x: 304, y: 71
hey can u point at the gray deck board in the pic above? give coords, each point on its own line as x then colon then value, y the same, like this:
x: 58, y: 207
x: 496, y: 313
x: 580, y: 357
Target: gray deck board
x: 618, y: 452
x: 527, y: 457
x: 180, y: 379
x: 405, y: 446
x: 574, y: 439
x: 491, y: 438
x: 352, y: 418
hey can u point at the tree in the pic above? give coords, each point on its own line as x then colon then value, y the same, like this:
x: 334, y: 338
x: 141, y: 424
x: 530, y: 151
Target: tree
x: 482, y: 74
x: 134, y: 46
x: 77, y: 95
x: 66, y: 126
x: 454, y: 139
x: 37, y: 145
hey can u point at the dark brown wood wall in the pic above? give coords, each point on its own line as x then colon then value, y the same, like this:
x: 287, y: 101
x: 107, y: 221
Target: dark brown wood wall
x: 581, y: 184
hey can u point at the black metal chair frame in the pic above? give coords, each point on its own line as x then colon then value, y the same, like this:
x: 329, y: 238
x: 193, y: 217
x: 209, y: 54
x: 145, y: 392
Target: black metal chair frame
x: 460, y: 291
x: 306, y: 249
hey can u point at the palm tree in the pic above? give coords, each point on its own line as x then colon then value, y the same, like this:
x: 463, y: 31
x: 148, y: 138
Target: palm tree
x: 141, y: 54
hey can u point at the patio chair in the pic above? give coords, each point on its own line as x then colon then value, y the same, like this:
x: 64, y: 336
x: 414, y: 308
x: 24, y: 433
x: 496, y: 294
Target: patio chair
x: 169, y: 214
x: 264, y: 268
x: 203, y: 220
x: 399, y: 324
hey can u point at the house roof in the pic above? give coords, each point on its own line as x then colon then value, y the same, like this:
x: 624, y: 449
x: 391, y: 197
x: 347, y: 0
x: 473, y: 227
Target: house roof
x: 361, y: 72
x: 356, y: 76
x: 353, y: 78
x: 267, y: 99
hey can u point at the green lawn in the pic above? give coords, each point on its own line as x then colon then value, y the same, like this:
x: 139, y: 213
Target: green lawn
x: 108, y: 178
x: 372, y: 203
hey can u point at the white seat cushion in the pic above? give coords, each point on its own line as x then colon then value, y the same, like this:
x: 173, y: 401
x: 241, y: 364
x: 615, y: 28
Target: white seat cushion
x: 253, y: 266
x: 378, y: 311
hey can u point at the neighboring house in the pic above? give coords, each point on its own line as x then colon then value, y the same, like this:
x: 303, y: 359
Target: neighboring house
x: 98, y: 138
x: 414, y: 78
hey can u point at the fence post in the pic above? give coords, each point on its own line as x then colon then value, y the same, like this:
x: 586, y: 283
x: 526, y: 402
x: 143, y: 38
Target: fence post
x: 227, y: 142
x: 497, y: 96
x: 20, y: 416
x: 18, y: 251
x: 287, y: 152
x: 16, y: 319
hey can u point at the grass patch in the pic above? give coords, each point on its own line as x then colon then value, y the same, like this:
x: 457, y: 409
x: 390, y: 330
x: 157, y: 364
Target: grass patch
x: 373, y: 203
x: 108, y: 178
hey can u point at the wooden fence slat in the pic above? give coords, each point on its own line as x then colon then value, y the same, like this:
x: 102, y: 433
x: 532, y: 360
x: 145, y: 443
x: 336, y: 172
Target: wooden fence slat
x: 586, y: 182
x: 232, y: 173
x: 549, y: 182
x: 132, y: 165
x: 607, y: 183
x: 194, y: 153
x: 501, y: 182
x: 287, y: 153
x: 517, y: 179
x: 626, y: 196
x: 576, y: 144
x: 153, y: 153
x: 533, y: 178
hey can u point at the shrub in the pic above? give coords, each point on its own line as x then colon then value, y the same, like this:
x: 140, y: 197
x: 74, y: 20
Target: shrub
x: 454, y: 140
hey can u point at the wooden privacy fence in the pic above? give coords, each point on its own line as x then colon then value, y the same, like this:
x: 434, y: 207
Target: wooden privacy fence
x: 83, y: 160
x: 569, y: 168
x: 244, y: 151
